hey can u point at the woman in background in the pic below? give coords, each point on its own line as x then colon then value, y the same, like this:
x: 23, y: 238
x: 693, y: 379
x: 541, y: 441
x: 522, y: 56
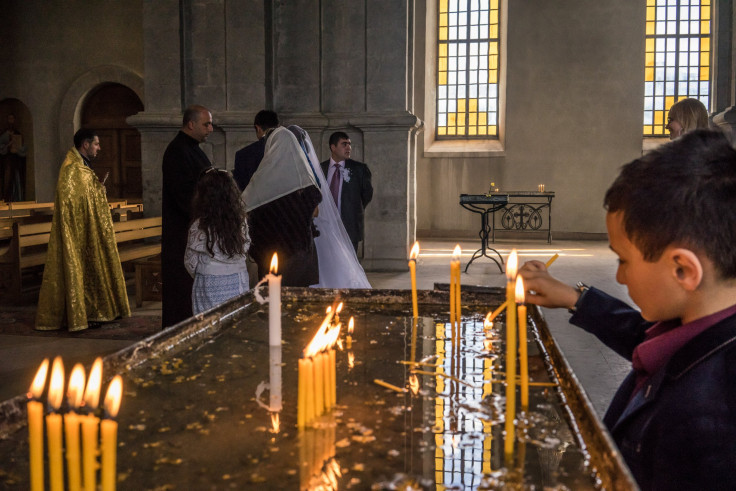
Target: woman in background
x: 281, y: 201
x: 686, y: 115
x: 218, y: 241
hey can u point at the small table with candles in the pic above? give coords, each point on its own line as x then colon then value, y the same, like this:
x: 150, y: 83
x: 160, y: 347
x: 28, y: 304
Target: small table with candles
x: 209, y: 404
x: 524, y: 212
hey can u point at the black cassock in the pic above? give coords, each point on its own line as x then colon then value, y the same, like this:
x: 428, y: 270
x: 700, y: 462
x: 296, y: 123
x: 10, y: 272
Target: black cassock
x: 183, y: 162
x: 285, y: 226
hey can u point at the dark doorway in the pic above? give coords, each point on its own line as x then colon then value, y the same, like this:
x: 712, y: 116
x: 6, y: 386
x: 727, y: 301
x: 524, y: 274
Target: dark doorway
x: 17, y: 176
x: 105, y: 110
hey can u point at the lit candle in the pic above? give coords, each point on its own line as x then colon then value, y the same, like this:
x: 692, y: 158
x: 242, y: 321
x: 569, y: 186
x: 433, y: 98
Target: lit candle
x: 301, y: 419
x: 74, y: 395
x: 511, y: 266
x: 319, y: 381
x: 90, y: 427
x: 274, y: 304
x: 495, y: 313
x: 455, y: 293
x: 274, y: 378
x: 349, y: 337
x: 523, y: 356
x: 53, y: 425
x: 109, y: 430
x: 333, y: 379
x: 35, y: 426
x: 413, y: 269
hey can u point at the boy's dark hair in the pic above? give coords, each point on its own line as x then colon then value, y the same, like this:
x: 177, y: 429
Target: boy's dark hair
x: 682, y: 194
x: 266, y: 119
x: 221, y: 211
x: 337, y: 136
x: 83, y: 135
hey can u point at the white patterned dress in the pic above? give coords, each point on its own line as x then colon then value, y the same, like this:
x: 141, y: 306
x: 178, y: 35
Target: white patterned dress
x: 217, y: 278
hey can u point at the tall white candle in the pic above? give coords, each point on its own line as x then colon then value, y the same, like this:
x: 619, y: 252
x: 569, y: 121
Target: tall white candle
x: 274, y: 304
x: 274, y: 378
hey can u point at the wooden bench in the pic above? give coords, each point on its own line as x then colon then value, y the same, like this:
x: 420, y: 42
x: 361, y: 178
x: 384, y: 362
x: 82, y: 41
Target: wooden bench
x: 28, y: 247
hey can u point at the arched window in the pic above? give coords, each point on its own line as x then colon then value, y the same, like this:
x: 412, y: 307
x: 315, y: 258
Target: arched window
x: 467, y: 69
x: 678, y: 58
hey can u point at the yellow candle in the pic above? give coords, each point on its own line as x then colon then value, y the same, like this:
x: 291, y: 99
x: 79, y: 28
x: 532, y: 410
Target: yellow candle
x: 74, y: 393
x: 413, y: 269
x: 90, y: 427
x: 455, y: 292
x: 511, y: 267
x: 309, y: 390
x: 389, y: 386
x: 349, y: 337
x: 333, y: 379
x: 319, y: 380
x: 551, y: 260
x: 458, y: 303
x: 495, y: 313
x: 301, y: 405
x: 35, y: 427
x: 109, y: 430
x: 523, y: 356
x: 53, y: 426
x: 327, y: 381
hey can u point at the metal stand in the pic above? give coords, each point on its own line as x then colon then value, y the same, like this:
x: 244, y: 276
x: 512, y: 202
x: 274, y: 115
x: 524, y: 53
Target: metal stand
x: 484, y: 205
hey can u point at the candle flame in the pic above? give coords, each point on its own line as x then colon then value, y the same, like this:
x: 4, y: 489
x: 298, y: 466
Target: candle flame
x: 351, y: 324
x: 75, y: 391
x: 114, y: 396
x: 92, y: 391
x: 274, y: 263
x: 351, y: 359
x: 275, y: 422
x: 455, y: 441
x: 56, y: 386
x: 325, y: 337
x: 456, y: 253
x: 414, y: 384
x: 487, y: 322
x: 39, y: 381
x: 414, y: 251
x: 519, y: 290
x: 488, y: 344
x: 339, y: 308
x: 512, y: 264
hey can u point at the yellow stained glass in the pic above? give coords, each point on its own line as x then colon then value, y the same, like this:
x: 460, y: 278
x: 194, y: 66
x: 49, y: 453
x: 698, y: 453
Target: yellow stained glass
x: 704, y: 73
x: 461, y: 130
x: 651, y: 3
x: 650, y: 29
x: 482, y: 119
x: 482, y: 130
x: 650, y: 45
x: 443, y: 49
x: 658, y: 118
x: 443, y: 20
x: 651, y: 13
x: 649, y: 74
x: 704, y: 44
x: 443, y: 34
x: 472, y: 131
x: 668, y: 101
x: 494, y: 4
x: 441, y: 130
x: 460, y: 123
x: 493, y: 18
x: 704, y: 58
x: 704, y: 27
x: 443, y: 5
x: 450, y: 131
x: 647, y: 129
x: 443, y: 78
x: 451, y: 119
x: 658, y: 130
x: 492, y: 76
x: 492, y: 48
x: 649, y: 59
x: 493, y: 31
x: 473, y: 119
x: 442, y: 65
x: 492, y: 129
x: 705, y: 12
x: 473, y: 105
x: 460, y: 106
x: 492, y: 62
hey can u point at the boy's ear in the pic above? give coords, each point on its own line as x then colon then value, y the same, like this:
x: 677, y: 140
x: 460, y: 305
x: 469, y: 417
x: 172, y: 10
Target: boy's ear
x: 686, y: 268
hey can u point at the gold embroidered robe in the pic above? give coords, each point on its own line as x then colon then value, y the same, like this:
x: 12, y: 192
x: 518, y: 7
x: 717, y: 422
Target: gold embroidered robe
x: 83, y: 278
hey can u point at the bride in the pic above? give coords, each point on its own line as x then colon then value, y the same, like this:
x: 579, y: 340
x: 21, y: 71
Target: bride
x: 338, y: 265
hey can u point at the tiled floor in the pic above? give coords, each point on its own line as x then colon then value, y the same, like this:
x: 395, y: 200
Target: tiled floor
x: 598, y: 369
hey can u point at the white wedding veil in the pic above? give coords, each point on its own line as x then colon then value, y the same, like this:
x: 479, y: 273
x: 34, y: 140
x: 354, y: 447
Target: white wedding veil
x: 338, y: 265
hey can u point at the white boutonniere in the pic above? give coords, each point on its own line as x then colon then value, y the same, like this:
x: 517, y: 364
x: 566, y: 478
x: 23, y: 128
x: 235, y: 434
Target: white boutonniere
x: 346, y: 174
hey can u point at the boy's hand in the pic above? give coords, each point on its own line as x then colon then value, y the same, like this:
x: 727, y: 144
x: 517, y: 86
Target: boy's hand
x: 547, y: 290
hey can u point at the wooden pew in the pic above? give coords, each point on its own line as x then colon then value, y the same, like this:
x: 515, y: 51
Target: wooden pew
x: 28, y: 245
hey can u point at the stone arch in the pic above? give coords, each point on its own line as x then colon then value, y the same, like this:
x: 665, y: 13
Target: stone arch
x: 73, y: 101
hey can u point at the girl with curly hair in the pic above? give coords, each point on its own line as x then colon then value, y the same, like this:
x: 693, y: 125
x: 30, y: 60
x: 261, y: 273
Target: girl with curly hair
x: 218, y: 241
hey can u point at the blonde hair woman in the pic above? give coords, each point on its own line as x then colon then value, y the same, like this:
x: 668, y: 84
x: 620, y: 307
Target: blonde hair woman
x: 686, y: 115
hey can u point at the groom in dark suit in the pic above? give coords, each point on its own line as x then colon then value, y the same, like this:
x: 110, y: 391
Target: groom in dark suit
x: 350, y: 185
x: 248, y: 158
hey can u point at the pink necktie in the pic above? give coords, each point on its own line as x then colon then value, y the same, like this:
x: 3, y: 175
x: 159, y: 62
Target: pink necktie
x: 335, y: 185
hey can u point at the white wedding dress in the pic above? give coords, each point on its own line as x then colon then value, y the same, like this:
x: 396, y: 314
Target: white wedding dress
x: 338, y: 265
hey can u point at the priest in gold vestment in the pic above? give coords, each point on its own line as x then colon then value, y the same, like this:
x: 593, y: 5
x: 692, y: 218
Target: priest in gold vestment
x: 83, y: 281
